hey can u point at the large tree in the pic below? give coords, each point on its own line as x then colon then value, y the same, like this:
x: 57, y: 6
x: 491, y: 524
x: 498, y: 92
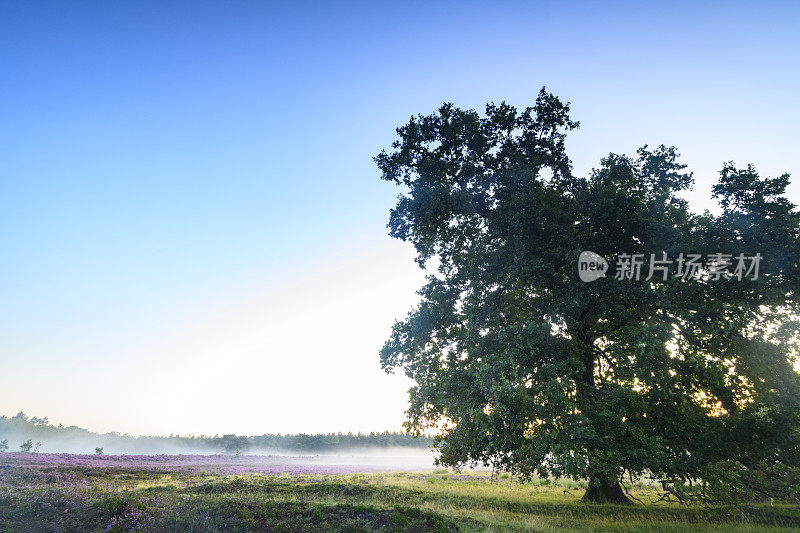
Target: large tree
x: 519, y: 364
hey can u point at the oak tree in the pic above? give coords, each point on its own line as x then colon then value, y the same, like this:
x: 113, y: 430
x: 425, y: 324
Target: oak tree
x: 519, y: 364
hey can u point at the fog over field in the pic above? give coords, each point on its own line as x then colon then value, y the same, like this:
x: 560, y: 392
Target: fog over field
x: 372, y: 451
x: 393, y: 458
x: 375, y: 458
x: 262, y: 463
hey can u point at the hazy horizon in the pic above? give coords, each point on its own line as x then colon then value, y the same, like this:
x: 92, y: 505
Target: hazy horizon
x: 60, y: 424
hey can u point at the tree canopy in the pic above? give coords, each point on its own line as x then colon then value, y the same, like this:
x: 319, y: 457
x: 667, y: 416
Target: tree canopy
x: 519, y: 364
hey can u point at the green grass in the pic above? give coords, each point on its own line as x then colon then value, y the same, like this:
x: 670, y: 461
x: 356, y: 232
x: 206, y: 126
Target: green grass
x: 99, y: 500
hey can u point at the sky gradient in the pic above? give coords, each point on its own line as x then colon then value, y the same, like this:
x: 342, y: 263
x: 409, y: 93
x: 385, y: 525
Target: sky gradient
x: 192, y: 230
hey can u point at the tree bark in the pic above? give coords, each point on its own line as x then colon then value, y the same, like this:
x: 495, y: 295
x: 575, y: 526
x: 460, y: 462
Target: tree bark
x: 604, y: 490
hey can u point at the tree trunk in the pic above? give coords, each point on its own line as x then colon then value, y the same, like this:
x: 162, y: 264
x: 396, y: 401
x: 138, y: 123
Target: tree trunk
x: 604, y: 490
x: 602, y: 487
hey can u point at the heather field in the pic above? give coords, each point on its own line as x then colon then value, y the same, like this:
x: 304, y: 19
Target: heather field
x: 62, y: 492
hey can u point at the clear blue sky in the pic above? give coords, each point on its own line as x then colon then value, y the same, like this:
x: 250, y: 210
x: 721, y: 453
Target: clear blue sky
x: 192, y: 230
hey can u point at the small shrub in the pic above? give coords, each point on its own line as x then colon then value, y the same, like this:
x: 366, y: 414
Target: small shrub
x: 124, y: 513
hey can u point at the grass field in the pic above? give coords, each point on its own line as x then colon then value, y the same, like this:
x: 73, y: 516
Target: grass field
x: 138, y: 495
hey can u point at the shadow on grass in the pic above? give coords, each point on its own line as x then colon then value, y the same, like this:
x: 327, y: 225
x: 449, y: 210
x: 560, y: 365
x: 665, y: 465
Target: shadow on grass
x: 381, y: 494
x: 232, y: 515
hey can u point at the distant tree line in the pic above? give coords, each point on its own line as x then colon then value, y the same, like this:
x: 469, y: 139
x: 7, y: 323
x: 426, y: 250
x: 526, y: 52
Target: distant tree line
x: 74, y: 439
